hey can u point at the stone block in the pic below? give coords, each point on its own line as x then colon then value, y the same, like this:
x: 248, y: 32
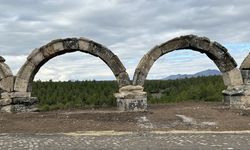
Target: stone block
x: 226, y: 63
x: 69, y: 44
x: 7, y: 109
x: 19, y: 108
x: 131, y: 88
x: 232, y: 78
x: 4, y: 102
x: 139, y: 77
x: 174, y: 44
x: 58, y: 46
x: 131, y: 98
x: 83, y: 44
x: 25, y: 100
x: 36, y: 57
x: 21, y: 85
x: 7, y: 84
x: 105, y: 54
x: 6, y: 95
x: 93, y: 48
x: 123, y: 79
x: 132, y: 104
x: 5, y: 70
x: 142, y: 70
x: 246, y: 63
x: 145, y: 64
x: 20, y: 94
x: 247, y: 89
x: 26, y: 71
x: 200, y: 43
x: 246, y: 101
x: 215, y: 53
x: 236, y: 102
x: 155, y: 53
x: 246, y: 76
x: 52, y: 48
x: 116, y: 65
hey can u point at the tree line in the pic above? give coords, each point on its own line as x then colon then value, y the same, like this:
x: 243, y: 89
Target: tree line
x: 84, y: 94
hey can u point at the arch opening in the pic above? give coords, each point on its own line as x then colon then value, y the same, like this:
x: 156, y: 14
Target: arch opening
x: 40, y: 56
x: 75, y: 85
x: 216, y: 52
x: 184, y: 76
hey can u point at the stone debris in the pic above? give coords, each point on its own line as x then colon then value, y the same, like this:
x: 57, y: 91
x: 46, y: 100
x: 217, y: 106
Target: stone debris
x: 143, y: 122
x: 192, y: 121
x: 186, y: 119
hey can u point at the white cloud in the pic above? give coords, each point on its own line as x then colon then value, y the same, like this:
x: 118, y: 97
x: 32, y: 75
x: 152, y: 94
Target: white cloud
x: 129, y: 28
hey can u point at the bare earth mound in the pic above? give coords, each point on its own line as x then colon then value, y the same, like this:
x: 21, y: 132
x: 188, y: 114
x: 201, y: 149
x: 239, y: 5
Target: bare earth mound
x: 181, y: 116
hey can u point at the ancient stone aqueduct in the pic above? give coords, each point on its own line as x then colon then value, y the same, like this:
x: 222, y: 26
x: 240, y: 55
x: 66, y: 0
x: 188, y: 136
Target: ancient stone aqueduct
x: 16, y: 89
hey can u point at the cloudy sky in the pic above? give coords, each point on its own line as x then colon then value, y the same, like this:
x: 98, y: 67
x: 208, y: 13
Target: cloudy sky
x: 128, y: 27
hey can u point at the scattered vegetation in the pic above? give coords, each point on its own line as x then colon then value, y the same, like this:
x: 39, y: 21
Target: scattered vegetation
x: 82, y: 94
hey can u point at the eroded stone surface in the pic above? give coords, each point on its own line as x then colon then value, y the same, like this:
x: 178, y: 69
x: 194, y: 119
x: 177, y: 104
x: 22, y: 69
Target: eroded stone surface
x: 4, y: 102
x: 131, y: 98
x: 7, y: 84
x: 246, y: 63
x: 213, y: 50
x: 21, y: 85
x: 58, y: 47
x: 246, y: 76
x: 232, y: 78
x: 19, y: 108
x: 5, y: 70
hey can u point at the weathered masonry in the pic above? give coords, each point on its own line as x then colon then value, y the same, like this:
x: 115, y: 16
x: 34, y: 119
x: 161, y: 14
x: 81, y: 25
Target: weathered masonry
x: 232, y: 77
x: 16, y: 90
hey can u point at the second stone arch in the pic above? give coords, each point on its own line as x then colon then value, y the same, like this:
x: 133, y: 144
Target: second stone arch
x: 134, y: 98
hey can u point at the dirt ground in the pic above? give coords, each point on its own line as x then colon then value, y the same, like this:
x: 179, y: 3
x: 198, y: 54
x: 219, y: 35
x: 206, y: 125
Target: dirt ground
x: 181, y: 116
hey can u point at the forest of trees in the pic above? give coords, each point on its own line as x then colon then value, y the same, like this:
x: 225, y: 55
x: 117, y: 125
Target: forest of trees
x: 84, y: 94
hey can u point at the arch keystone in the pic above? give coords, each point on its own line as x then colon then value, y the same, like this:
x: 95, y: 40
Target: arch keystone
x: 84, y: 44
x: 70, y: 44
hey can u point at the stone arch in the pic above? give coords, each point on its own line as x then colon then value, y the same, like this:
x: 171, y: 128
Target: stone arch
x: 245, y: 69
x: 58, y: 47
x: 215, y: 51
x: 6, y: 76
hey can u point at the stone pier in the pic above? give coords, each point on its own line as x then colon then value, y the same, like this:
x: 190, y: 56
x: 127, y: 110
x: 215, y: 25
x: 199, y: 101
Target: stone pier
x: 131, y: 98
x: 237, y: 94
x: 18, y: 102
x: 11, y: 100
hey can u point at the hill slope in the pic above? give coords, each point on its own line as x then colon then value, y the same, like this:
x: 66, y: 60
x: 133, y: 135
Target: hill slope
x: 204, y: 73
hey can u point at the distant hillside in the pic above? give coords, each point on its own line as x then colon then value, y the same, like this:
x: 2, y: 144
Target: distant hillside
x: 205, y: 73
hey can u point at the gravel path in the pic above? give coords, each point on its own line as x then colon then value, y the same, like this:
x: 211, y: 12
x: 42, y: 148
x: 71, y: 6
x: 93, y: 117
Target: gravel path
x: 125, y: 140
